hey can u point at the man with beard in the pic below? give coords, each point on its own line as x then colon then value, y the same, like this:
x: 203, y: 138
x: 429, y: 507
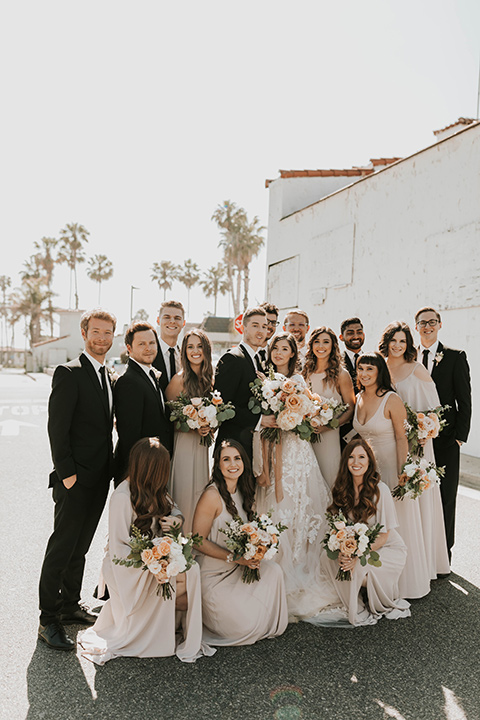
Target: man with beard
x: 297, y: 323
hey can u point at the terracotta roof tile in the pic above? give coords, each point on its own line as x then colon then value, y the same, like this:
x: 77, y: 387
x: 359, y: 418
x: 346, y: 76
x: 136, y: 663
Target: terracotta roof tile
x: 460, y: 121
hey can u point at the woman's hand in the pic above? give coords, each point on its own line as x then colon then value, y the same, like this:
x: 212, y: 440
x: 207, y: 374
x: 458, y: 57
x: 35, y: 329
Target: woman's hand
x: 321, y: 429
x: 269, y: 421
x: 422, y: 442
x: 252, y: 564
x: 204, y: 430
x: 167, y: 522
x: 261, y: 375
x: 346, y: 562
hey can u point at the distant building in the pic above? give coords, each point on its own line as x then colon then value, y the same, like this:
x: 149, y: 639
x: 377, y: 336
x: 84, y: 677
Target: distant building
x: 381, y: 241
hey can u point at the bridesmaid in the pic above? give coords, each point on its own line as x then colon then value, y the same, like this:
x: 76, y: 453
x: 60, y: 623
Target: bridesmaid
x: 325, y: 375
x: 189, y: 474
x: 416, y: 388
x: 135, y: 621
x: 360, y: 495
x: 234, y: 613
x: 379, y: 418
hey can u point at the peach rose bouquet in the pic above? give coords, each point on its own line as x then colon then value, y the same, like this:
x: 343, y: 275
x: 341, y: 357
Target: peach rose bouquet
x: 254, y: 540
x: 288, y: 399
x: 417, y: 476
x: 165, y: 557
x: 423, y: 426
x: 354, y: 539
x: 326, y: 412
x: 195, y: 413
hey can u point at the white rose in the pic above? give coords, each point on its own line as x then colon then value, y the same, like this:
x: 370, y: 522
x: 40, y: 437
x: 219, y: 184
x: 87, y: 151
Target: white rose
x: 410, y: 469
x: 250, y: 552
x: 271, y: 552
x: 326, y: 414
x: 333, y: 543
x: 360, y: 528
x: 362, y: 544
x: 193, y: 424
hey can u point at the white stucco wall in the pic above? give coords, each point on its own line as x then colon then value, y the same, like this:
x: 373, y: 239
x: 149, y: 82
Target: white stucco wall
x: 384, y: 246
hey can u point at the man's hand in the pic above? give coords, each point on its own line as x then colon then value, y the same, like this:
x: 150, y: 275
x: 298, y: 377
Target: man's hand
x: 69, y: 482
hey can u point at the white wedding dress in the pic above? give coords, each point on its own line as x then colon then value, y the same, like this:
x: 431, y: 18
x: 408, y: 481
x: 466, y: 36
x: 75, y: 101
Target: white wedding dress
x: 305, y: 499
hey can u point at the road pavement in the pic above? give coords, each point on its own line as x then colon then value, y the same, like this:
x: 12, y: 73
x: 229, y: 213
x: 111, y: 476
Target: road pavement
x: 423, y: 668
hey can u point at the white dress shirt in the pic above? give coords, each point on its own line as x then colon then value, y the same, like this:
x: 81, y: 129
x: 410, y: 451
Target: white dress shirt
x: 96, y: 366
x: 166, y: 356
x: 432, y: 351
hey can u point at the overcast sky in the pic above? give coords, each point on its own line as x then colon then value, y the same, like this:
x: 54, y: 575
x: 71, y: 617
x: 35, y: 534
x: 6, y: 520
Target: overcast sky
x: 137, y: 118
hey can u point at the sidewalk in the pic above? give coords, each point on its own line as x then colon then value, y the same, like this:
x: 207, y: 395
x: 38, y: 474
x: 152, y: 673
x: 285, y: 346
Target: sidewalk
x: 470, y: 471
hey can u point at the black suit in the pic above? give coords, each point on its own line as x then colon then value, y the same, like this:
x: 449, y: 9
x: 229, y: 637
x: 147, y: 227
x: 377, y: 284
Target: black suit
x: 451, y: 376
x: 347, y: 427
x: 159, y: 364
x: 140, y: 413
x: 234, y: 373
x: 80, y: 433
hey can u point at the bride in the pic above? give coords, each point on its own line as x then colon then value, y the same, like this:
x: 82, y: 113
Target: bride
x: 289, y: 483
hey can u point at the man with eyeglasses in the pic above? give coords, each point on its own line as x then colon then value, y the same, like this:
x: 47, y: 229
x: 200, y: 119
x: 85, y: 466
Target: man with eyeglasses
x: 451, y: 374
x: 272, y: 324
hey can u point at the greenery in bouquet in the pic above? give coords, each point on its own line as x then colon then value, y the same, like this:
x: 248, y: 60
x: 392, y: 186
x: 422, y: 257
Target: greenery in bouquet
x: 417, y: 476
x: 426, y: 425
x: 354, y: 539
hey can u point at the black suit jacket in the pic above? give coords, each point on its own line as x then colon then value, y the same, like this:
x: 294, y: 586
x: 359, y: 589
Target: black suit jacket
x: 234, y: 372
x: 352, y: 370
x: 451, y: 376
x: 140, y: 413
x: 79, y: 425
x: 159, y: 364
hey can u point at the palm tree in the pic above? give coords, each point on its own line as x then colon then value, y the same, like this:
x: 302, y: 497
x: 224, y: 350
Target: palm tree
x: 47, y: 259
x: 164, y: 273
x: 99, y: 269
x: 215, y: 282
x: 72, y: 238
x: 5, y: 283
x: 189, y: 275
x: 28, y: 301
x: 141, y: 316
x: 250, y: 245
x: 230, y: 219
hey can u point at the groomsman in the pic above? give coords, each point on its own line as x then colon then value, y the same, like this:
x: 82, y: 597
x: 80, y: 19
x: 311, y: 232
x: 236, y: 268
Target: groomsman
x: 353, y: 337
x: 139, y: 402
x: 235, y: 370
x: 272, y: 324
x: 451, y: 374
x: 171, y: 320
x: 80, y: 422
x: 297, y: 323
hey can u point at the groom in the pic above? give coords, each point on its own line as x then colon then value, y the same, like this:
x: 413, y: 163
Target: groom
x: 451, y: 374
x: 236, y: 369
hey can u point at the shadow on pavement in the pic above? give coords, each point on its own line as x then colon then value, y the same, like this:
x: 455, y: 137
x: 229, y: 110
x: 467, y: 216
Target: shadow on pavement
x: 423, y: 668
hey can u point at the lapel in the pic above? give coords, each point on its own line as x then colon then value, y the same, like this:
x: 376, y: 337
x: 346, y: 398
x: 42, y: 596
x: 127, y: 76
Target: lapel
x: 134, y: 367
x: 247, y: 355
x: 440, y: 349
x: 87, y: 365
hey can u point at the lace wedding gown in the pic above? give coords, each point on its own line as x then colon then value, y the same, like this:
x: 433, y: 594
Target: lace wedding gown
x: 305, y: 499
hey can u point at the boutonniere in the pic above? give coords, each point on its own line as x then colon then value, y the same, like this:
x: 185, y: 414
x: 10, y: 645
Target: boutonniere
x: 112, y: 375
x: 438, y: 357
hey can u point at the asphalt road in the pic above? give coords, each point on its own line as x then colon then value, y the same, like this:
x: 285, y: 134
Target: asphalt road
x: 423, y: 668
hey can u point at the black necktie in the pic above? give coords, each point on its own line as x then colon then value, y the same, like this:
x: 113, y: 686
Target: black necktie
x: 355, y: 358
x: 262, y: 356
x: 425, y: 358
x: 104, y: 385
x: 173, y: 368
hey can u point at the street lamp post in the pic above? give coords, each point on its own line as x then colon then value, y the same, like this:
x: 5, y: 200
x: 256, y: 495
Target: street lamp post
x: 132, y: 288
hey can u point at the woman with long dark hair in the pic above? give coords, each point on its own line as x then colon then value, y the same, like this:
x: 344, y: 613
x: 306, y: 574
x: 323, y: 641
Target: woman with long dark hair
x: 379, y: 418
x: 190, y: 472
x: 234, y: 613
x: 135, y: 621
x: 291, y: 485
x: 361, y: 497
x: 416, y: 388
x: 326, y: 376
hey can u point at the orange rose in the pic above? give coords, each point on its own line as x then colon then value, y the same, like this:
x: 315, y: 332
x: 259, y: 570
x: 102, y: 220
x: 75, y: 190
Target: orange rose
x: 261, y: 550
x: 254, y: 539
x: 162, y: 576
x: 147, y: 556
x: 274, y: 539
x: 293, y: 402
x: 341, y: 534
x: 289, y: 386
x: 156, y: 553
x: 348, y: 546
x: 249, y: 529
x: 216, y: 400
x: 164, y: 547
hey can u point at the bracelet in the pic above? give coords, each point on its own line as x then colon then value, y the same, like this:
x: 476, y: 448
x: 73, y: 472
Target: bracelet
x: 229, y: 558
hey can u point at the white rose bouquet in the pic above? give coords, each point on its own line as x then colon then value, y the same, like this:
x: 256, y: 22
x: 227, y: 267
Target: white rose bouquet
x: 417, y: 476
x: 195, y: 413
x: 165, y: 557
x: 350, y: 538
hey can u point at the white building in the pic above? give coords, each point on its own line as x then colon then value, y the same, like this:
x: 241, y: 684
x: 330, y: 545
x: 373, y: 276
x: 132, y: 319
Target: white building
x: 381, y: 241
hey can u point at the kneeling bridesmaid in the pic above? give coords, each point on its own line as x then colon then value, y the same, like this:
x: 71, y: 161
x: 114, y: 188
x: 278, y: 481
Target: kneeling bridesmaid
x: 234, y: 613
x: 136, y: 621
x: 372, y: 592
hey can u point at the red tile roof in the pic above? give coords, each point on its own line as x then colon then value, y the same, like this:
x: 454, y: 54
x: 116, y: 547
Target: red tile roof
x: 460, y: 121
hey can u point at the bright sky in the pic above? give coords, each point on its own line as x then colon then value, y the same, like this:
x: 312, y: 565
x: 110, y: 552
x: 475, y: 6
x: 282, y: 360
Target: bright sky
x: 137, y: 118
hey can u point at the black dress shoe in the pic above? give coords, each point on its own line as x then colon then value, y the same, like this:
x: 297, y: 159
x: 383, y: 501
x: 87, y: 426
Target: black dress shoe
x: 442, y: 576
x: 55, y: 636
x: 78, y: 617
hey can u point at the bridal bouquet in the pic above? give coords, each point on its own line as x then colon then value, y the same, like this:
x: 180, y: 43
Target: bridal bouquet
x: 165, y: 557
x: 288, y: 399
x: 423, y: 426
x: 417, y: 475
x: 194, y: 413
x: 254, y: 540
x: 352, y: 539
x: 327, y: 412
